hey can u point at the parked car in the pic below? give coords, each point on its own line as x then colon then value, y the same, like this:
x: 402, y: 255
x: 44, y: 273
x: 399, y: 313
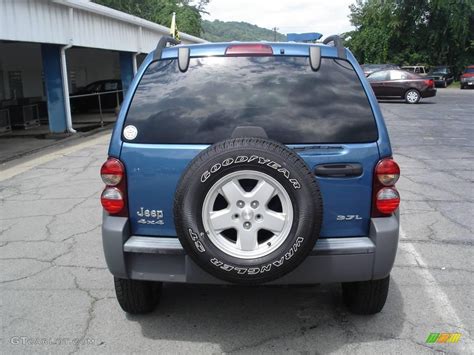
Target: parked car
x: 416, y: 69
x: 106, y: 89
x: 370, y: 68
x: 400, y: 84
x: 467, y: 77
x: 442, y: 75
x: 250, y: 163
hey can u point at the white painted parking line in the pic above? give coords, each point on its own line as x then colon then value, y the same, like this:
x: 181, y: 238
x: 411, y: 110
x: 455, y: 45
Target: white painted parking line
x: 22, y: 167
x: 442, y: 305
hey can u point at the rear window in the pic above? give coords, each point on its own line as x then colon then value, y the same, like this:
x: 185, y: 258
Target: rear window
x: 292, y: 103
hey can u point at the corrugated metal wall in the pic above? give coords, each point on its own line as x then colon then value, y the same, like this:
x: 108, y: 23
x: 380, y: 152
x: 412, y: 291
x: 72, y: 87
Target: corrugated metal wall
x: 45, y: 21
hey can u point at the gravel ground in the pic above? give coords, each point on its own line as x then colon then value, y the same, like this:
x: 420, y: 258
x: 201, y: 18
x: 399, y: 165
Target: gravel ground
x: 57, y: 296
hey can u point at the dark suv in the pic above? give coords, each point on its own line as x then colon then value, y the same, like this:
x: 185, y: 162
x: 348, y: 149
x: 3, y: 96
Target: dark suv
x: 442, y: 75
x: 250, y: 163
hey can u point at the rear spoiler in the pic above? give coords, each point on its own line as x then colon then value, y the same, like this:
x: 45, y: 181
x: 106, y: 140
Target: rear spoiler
x: 184, y: 52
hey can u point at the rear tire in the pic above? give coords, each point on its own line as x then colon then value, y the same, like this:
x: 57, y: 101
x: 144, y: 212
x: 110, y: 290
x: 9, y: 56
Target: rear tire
x: 365, y: 297
x: 412, y: 96
x: 136, y: 296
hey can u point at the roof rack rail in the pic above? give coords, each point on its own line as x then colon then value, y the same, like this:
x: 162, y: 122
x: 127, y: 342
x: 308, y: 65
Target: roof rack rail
x: 162, y: 43
x: 341, y: 51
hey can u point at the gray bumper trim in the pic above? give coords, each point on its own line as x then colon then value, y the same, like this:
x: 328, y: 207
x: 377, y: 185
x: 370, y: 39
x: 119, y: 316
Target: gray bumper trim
x: 172, y: 246
x: 332, y: 259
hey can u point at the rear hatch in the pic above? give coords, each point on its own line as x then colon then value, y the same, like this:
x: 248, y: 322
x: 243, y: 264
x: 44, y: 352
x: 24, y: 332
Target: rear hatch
x: 323, y: 115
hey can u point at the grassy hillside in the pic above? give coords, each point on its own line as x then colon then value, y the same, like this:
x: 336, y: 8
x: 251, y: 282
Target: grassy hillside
x: 220, y: 31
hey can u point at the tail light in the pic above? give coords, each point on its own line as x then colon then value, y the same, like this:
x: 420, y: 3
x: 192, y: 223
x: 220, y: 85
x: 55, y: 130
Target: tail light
x: 112, y: 172
x: 429, y: 83
x: 113, y: 198
x: 387, y: 172
x: 386, y: 198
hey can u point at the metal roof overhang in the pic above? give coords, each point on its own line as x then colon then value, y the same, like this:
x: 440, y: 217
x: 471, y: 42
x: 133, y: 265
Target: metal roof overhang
x: 80, y: 23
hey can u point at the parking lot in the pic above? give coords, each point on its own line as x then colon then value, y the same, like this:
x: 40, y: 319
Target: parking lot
x: 57, y: 295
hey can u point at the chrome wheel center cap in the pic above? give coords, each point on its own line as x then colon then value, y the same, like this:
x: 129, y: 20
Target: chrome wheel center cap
x: 247, y: 215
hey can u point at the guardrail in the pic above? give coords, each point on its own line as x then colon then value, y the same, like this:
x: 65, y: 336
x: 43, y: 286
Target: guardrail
x: 99, y: 100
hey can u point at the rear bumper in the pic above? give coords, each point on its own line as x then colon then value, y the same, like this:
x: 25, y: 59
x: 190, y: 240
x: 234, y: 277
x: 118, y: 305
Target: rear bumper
x: 332, y: 259
x: 428, y: 93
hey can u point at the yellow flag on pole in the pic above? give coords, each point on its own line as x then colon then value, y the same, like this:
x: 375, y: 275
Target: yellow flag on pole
x: 174, y: 29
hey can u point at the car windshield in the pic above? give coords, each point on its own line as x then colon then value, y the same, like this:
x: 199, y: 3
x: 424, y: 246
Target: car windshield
x: 469, y: 70
x: 439, y: 70
x: 283, y: 95
x: 92, y: 87
x: 373, y: 66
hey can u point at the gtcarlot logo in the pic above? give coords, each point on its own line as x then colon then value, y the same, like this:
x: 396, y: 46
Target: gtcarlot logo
x: 31, y: 341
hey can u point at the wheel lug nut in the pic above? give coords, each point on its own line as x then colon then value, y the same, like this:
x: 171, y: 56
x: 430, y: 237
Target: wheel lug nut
x: 254, y: 204
x: 247, y: 225
x: 240, y: 204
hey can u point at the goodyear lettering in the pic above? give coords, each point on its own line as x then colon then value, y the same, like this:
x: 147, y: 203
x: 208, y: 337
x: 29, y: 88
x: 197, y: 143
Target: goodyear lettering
x: 260, y: 160
x: 241, y: 159
x: 215, y: 168
x: 227, y: 162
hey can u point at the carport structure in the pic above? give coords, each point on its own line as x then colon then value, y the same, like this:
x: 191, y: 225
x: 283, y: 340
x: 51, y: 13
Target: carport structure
x: 49, y: 48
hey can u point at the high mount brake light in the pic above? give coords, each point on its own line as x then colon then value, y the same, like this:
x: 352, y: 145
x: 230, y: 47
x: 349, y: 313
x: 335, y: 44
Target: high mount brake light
x: 248, y: 49
x: 386, y: 198
x: 113, y: 198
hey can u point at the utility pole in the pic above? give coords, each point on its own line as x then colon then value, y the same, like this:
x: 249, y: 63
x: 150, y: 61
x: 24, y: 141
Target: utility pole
x: 275, y: 29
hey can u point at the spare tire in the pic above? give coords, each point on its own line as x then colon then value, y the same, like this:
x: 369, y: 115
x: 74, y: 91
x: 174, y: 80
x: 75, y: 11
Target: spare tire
x: 248, y: 210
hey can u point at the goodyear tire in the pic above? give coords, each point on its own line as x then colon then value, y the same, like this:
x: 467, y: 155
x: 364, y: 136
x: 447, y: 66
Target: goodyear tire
x: 248, y: 210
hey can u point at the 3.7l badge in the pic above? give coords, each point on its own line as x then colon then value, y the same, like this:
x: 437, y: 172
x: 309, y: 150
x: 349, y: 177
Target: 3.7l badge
x: 348, y: 217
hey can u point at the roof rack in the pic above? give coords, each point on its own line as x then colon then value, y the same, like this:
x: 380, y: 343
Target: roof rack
x: 341, y: 51
x: 162, y: 43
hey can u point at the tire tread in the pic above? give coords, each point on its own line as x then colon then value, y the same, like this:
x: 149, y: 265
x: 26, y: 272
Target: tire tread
x: 137, y: 296
x: 366, y: 297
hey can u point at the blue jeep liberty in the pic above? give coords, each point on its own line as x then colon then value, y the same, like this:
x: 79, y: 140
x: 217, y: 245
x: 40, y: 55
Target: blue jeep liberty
x: 250, y: 163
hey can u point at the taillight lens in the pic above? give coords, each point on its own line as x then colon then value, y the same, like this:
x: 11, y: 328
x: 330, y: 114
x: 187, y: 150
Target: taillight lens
x: 114, y: 196
x: 430, y: 83
x: 112, y: 172
x: 387, y: 172
x: 387, y: 200
x: 112, y: 200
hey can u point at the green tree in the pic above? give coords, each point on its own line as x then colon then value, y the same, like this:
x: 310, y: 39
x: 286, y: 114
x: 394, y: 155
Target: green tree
x: 188, y: 13
x: 413, y: 31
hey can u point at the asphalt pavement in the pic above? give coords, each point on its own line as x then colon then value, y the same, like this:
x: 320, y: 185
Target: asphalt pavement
x: 56, y: 294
